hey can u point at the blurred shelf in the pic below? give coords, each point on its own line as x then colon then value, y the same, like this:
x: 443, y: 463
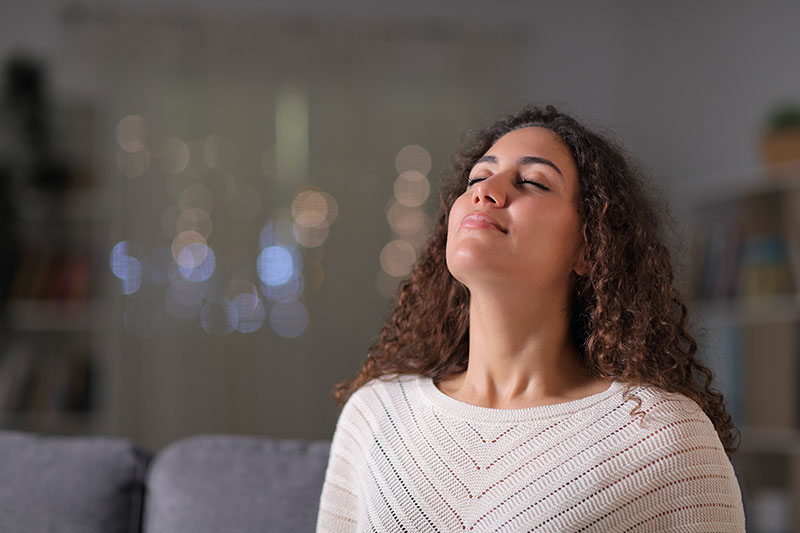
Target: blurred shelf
x: 55, y: 315
x: 753, y: 310
x: 74, y: 206
x: 721, y: 190
x: 763, y: 440
x: 67, y: 423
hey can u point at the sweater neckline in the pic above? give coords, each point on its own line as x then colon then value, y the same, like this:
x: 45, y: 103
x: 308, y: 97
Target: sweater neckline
x: 468, y: 411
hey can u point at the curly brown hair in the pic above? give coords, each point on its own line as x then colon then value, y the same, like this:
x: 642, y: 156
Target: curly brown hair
x: 628, y: 320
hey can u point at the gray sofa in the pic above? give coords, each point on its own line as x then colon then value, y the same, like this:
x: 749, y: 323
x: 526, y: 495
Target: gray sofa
x: 203, y: 484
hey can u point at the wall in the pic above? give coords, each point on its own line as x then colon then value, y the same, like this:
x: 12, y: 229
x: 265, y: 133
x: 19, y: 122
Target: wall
x: 685, y: 88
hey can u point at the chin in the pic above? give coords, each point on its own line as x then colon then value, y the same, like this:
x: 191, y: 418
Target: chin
x: 467, y: 266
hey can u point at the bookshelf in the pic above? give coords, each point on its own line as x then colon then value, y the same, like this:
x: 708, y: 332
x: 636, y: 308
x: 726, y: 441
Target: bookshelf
x: 51, y: 304
x: 745, y: 285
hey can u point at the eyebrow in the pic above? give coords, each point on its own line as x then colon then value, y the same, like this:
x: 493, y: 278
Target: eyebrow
x: 524, y: 160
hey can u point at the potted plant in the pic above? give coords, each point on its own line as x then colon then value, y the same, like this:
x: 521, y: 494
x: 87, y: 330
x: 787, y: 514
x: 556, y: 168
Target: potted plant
x: 781, y: 141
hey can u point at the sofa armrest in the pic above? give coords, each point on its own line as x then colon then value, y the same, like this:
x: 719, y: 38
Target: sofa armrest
x: 70, y: 484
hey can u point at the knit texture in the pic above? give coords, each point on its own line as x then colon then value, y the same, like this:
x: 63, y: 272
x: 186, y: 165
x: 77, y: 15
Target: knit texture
x: 407, y: 457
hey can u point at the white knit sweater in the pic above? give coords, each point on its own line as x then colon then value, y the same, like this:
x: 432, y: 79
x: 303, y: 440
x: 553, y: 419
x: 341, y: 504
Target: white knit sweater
x: 407, y: 457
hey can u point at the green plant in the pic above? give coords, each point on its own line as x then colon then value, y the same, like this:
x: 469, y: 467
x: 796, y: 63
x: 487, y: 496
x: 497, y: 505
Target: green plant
x: 785, y: 117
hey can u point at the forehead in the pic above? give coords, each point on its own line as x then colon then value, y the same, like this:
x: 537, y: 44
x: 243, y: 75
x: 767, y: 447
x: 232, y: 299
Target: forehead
x: 539, y: 141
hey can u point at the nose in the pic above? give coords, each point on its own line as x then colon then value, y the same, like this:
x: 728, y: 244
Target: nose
x: 489, y: 191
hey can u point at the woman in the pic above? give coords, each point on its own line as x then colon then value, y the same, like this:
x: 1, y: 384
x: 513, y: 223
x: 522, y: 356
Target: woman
x: 536, y: 373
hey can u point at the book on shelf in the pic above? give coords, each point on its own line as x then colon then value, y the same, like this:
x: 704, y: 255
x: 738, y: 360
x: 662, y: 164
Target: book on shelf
x: 45, y: 382
x: 16, y: 366
x: 764, y: 268
x: 749, y: 251
x: 52, y: 276
x: 718, y: 264
x: 791, y: 221
x: 724, y: 356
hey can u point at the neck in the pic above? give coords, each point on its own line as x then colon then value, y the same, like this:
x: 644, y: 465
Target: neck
x: 520, y: 352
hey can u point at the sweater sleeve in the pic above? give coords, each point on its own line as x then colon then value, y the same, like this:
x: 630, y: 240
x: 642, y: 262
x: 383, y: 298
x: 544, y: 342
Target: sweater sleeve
x: 688, y: 484
x: 338, y: 508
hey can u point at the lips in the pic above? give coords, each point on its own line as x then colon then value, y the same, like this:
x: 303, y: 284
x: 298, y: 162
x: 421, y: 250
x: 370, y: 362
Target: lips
x: 481, y: 220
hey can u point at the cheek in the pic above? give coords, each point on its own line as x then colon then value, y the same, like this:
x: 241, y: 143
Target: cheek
x: 456, y: 213
x: 450, y: 235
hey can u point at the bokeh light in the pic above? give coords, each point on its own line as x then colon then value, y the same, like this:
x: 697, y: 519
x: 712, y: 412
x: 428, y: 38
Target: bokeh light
x: 289, y: 320
x: 118, y: 259
x: 310, y: 237
x: 133, y: 164
x: 249, y: 312
x: 411, y: 188
x: 239, y: 285
x: 126, y: 267
x: 413, y: 157
x: 397, y: 258
x: 133, y: 282
x: 313, y: 212
x: 268, y: 235
x: 279, y: 229
x: 283, y: 229
x: 405, y: 220
x: 174, y: 155
x: 286, y: 292
x: 181, y: 241
x: 333, y: 207
x: 196, y: 262
x: 276, y: 265
x: 310, y: 209
x: 131, y: 133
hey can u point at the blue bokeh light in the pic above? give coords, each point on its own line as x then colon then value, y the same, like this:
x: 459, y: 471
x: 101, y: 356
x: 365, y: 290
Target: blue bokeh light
x: 196, y: 272
x: 276, y: 265
x: 249, y: 312
x: 126, y: 267
x: 289, y: 319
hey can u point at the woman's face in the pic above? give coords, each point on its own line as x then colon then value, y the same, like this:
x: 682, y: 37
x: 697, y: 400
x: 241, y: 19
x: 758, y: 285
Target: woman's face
x: 517, y: 223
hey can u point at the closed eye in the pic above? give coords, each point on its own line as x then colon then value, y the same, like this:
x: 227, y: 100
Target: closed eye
x: 535, y: 183
x: 473, y: 181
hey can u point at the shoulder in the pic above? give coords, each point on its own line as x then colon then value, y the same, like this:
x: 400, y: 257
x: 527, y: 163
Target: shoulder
x: 379, y: 396
x: 382, y: 387
x: 682, y: 475
x: 670, y: 422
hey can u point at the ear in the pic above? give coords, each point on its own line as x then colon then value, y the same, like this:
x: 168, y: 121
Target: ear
x: 580, y: 265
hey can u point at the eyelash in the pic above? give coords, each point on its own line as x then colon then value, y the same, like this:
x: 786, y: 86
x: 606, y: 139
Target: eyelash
x: 472, y: 181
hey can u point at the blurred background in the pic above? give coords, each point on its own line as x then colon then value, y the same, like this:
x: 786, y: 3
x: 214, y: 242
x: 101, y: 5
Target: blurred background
x: 205, y: 207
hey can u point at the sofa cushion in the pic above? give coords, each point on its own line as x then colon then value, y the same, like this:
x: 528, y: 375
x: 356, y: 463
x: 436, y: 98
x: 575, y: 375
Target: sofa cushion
x: 235, y: 484
x: 70, y: 484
